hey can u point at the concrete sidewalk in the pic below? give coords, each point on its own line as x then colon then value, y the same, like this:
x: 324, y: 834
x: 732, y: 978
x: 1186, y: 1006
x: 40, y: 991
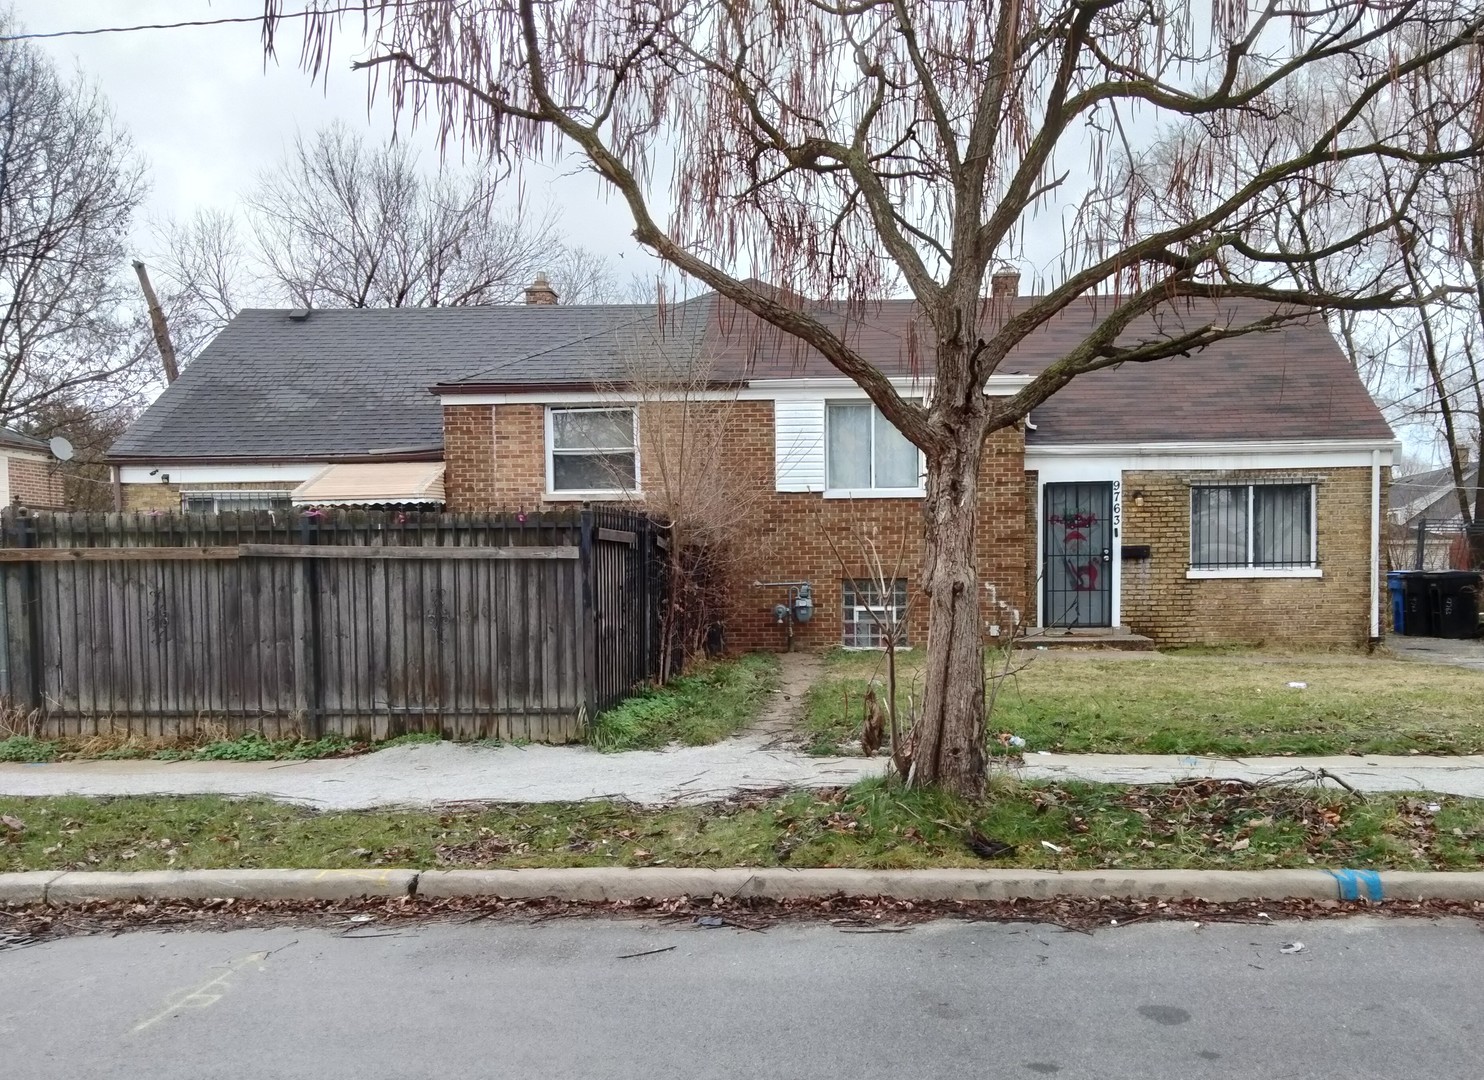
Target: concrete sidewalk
x: 428, y: 773
x: 432, y: 773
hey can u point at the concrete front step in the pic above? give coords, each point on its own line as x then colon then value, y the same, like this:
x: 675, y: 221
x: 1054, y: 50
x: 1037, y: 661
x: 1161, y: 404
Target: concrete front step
x: 1085, y: 637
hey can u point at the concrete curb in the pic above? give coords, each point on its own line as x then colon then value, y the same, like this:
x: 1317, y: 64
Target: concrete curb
x: 26, y: 887
x: 78, y: 887
x: 607, y: 884
x: 781, y: 884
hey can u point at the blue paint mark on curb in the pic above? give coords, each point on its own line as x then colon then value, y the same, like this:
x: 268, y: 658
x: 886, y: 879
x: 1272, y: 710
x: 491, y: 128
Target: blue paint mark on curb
x: 1351, y: 881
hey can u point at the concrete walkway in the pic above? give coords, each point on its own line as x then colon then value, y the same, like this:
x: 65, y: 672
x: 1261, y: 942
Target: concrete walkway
x: 1446, y: 651
x: 431, y: 773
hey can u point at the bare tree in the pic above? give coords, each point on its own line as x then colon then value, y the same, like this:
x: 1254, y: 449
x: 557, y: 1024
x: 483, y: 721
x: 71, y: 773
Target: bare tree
x: 687, y: 424
x: 340, y: 222
x: 848, y: 149
x: 344, y: 223
x: 206, y: 276
x: 581, y: 277
x: 69, y: 185
x: 1431, y: 253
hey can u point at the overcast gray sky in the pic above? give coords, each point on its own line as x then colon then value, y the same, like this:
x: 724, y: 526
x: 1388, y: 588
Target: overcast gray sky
x: 208, y: 115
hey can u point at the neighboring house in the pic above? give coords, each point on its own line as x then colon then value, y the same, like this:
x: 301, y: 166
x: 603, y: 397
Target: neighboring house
x: 1232, y: 496
x: 30, y: 476
x: 1430, y: 496
x: 1429, y: 501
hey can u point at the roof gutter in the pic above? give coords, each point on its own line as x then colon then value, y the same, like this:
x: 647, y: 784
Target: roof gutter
x: 586, y: 386
x: 429, y: 453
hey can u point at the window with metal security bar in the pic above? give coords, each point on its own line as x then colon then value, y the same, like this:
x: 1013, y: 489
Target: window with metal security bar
x: 216, y: 502
x: 591, y: 451
x: 869, y: 614
x: 1253, y: 528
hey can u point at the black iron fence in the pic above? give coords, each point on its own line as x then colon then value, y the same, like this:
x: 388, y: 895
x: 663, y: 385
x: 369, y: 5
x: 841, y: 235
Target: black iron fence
x: 1436, y: 546
x: 365, y: 624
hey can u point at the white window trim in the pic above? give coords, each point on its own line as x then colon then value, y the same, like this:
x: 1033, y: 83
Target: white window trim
x: 873, y: 492
x: 1254, y: 572
x: 551, y: 494
x: 1313, y: 570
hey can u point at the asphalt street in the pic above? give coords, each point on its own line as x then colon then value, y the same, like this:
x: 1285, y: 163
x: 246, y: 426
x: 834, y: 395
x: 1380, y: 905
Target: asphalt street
x: 1364, y: 998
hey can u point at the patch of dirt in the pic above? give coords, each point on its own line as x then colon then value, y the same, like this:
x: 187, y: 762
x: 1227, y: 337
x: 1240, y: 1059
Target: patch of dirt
x: 21, y: 927
x: 779, y: 726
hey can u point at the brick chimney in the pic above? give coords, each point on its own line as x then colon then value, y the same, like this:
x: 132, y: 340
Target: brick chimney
x: 540, y: 291
x: 1003, y: 283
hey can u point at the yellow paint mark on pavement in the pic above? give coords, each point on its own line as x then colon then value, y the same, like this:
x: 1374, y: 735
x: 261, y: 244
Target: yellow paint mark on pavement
x: 205, y: 995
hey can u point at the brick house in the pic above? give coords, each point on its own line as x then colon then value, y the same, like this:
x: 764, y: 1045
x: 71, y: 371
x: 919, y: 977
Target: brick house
x: 29, y: 474
x: 1231, y: 496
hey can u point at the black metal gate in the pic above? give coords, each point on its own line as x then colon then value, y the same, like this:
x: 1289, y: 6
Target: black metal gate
x: 1078, y: 562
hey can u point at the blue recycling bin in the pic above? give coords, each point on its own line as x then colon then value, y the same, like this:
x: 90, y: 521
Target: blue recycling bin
x: 1396, y: 585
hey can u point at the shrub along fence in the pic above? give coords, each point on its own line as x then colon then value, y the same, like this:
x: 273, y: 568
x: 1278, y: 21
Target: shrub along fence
x: 364, y: 624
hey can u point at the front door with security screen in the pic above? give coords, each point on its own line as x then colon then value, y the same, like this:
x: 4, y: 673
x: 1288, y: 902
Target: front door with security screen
x: 1077, y: 567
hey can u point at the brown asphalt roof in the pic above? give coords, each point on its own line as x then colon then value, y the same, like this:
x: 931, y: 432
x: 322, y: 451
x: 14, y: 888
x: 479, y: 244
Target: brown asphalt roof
x: 1292, y: 382
x: 343, y: 383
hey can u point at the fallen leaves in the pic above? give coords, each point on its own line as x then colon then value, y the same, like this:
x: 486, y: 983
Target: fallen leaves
x: 1070, y: 913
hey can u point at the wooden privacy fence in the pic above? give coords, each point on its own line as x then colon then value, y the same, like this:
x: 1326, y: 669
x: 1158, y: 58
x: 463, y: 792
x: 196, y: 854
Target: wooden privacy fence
x: 367, y: 625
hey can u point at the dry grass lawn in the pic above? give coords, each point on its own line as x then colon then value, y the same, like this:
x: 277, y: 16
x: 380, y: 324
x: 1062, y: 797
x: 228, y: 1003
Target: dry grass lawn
x: 1230, y: 703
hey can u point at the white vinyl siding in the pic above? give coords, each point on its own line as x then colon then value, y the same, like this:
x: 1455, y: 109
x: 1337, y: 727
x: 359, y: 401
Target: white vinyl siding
x: 798, y: 445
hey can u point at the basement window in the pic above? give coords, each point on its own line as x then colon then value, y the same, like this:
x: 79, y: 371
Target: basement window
x: 591, y: 452
x: 869, y: 613
x: 1253, y: 530
x: 216, y: 502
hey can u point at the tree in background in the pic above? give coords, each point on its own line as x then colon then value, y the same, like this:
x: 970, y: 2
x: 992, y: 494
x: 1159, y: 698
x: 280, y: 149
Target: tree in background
x: 204, y: 277
x: 344, y: 222
x: 1421, y: 359
x: 87, y: 481
x: 848, y: 150
x: 70, y: 183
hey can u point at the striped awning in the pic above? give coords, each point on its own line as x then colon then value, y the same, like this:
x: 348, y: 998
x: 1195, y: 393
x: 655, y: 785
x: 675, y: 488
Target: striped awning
x: 396, y: 482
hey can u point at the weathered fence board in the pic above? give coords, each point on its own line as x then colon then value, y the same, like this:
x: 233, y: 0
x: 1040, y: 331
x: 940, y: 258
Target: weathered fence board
x: 363, y: 625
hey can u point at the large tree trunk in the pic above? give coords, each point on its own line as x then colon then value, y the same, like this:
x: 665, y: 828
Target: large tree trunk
x: 1474, y: 524
x: 948, y: 736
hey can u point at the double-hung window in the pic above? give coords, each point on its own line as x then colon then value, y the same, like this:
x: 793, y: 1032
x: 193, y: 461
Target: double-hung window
x: 591, y: 451
x: 866, y: 454
x: 1252, y: 528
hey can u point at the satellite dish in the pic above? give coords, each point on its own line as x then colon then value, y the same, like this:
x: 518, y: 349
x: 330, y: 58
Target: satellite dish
x: 61, y: 448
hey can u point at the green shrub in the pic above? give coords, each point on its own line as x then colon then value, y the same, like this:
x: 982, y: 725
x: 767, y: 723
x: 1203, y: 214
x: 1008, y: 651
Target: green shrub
x: 26, y: 749
x: 704, y: 706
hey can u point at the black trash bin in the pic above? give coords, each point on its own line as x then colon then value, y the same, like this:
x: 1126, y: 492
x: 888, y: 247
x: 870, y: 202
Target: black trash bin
x: 1453, y: 604
x: 1417, y: 620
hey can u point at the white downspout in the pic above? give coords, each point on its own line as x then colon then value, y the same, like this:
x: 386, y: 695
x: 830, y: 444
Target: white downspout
x: 1375, y: 545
